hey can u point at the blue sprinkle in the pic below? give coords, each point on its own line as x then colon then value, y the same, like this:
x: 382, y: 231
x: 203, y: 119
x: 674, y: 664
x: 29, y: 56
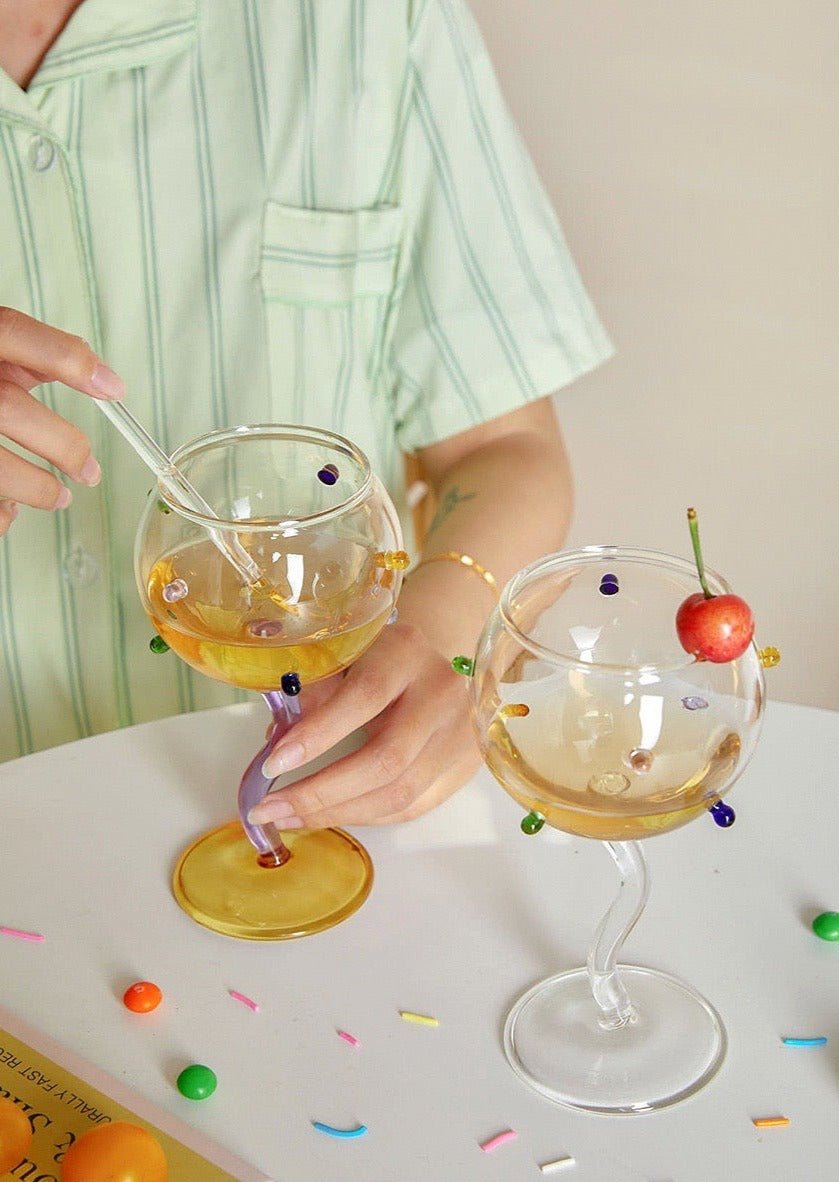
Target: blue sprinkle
x: 804, y: 1042
x: 344, y: 1134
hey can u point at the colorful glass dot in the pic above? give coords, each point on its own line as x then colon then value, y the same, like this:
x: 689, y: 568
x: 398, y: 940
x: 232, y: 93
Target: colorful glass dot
x: 328, y: 474
x: 463, y: 665
x: 826, y: 925
x: 610, y: 783
x: 723, y: 814
x: 290, y: 684
x: 769, y: 656
x: 514, y: 710
x: 694, y: 703
x: 394, y: 616
x: 393, y: 559
x: 640, y: 760
x: 532, y: 823
x: 163, y: 507
x: 158, y: 645
x: 609, y: 585
x: 197, y: 1082
x: 265, y: 629
x: 177, y: 589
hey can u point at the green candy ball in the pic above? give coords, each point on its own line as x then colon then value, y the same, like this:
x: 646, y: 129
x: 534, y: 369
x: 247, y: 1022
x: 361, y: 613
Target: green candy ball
x: 826, y: 925
x: 197, y: 1082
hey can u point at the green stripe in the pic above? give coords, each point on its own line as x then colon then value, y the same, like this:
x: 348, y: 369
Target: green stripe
x: 154, y: 328
x: 119, y: 667
x: 479, y: 282
x: 345, y: 369
x: 313, y: 258
x: 357, y: 22
x: 253, y: 38
x: 61, y: 523
x: 502, y: 193
x: 210, y: 231
x: 390, y: 172
x: 444, y: 348
x: 102, y: 48
x: 307, y: 18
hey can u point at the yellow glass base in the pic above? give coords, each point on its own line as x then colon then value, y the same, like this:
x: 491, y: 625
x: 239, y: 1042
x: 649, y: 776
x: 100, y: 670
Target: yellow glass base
x: 219, y: 883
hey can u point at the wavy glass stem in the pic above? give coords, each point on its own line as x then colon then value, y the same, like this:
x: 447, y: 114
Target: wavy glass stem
x: 254, y: 785
x: 606, y: 984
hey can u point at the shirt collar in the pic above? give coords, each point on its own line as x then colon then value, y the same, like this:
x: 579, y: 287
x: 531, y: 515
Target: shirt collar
x: 117, y: 35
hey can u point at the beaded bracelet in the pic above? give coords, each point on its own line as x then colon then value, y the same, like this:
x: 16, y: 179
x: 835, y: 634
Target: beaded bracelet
x: 464, y: 560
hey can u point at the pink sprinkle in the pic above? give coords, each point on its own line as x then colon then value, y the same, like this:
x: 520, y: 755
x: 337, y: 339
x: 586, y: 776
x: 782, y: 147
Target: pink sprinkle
x: 246, y: 1001
x: 501, y: 1139
x: 350, y: 1038
x: 19, y: 935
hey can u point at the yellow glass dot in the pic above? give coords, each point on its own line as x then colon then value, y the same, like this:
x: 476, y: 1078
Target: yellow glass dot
x: 516, y: 710
x: 393, y: 560
x: 769, y: 657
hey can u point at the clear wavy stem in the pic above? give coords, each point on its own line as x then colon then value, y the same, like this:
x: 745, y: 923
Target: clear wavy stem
x: 606, y: 985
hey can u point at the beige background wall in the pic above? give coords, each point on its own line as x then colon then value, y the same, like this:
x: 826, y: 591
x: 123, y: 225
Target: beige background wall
x: 692, y: 150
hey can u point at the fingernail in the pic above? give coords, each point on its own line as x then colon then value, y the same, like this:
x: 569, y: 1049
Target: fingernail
x: 90, y: 472
x: 64, y: 498
x: 283, y: 759
x: 106, y: 383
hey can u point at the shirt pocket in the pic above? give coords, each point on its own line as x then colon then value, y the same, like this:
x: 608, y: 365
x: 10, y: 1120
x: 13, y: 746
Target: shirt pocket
x: 331, y: 284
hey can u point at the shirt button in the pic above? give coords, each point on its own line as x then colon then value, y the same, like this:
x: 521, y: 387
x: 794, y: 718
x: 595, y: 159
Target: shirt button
x: 41, y: 153
x: 80, y: 569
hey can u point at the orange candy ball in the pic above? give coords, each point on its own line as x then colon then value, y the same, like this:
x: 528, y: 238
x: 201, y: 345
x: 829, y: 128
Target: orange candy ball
x: 142, y: 997
x: 118, y: 1152
x: 15, y: 1135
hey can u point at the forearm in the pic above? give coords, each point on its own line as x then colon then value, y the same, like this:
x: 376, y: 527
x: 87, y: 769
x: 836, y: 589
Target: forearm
x: 504, y: 504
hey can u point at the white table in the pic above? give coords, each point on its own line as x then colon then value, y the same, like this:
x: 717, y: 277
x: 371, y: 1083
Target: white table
x: 465, y: 913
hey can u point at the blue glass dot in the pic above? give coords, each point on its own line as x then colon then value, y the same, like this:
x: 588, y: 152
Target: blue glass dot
x: 290, y: 684
x: 723, y: 814
x: 609, y: 585
x: 328, y: 474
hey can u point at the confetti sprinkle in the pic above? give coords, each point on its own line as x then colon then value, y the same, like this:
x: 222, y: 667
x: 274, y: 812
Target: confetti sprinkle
x: 500, y: 1139
x: 805, y: 1042
x: 558, y: 1163
x: 350, y: 1038
x: 17, y: 934
x: 246, y: 1001
x: 420, y: 1019
x: 344, y: 1134
x: 770, y: 1122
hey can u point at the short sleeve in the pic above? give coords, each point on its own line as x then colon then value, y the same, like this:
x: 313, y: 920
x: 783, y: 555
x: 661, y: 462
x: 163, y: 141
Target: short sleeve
x: 493, y: 313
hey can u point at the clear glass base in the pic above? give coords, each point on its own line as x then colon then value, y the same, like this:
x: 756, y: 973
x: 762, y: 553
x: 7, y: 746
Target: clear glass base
x: 674, y: 1045
x: 220, y: 884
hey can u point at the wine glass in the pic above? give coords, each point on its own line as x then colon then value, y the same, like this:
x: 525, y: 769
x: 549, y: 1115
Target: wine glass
x: 590, y: 714
x: 305, y: 507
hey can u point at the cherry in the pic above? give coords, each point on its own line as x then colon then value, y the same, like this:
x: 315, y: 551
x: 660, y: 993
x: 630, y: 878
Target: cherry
x: 715, y: 628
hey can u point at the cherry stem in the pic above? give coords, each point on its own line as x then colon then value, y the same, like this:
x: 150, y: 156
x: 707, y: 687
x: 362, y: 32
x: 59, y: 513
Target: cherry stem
x: 697, y: 552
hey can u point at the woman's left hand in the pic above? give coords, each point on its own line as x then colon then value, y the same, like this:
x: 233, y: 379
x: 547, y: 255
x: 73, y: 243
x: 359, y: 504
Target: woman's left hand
x: 419, y: 747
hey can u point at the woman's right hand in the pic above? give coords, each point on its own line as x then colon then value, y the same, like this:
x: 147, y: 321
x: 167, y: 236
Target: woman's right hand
x: 31, y: 353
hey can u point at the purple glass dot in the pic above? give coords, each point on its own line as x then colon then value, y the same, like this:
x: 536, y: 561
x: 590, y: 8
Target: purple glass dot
x: 328, y: 474
x: 175, y: 590
x: 264, y: 629
x: 692, y: 703
x: 723, y: 814
x: 290, y: 684
x: 609, y: 585
x: 394, y: 616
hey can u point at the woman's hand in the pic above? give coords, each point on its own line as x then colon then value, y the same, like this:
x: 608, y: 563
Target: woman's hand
x: 31, y: 353
x: 419, y: 748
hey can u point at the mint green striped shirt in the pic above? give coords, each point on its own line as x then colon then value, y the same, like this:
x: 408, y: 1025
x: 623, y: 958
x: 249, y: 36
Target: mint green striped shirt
x: 315, y: 211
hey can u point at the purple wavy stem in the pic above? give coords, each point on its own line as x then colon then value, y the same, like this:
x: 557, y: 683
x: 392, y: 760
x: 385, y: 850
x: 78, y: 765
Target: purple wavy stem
x: 254, y: 785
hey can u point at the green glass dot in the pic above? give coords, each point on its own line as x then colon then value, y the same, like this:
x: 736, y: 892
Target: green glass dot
x: 532, y: 823
x: 463, y: 665
x: 197, y: 1082
x: 163, y: 507
x: 826, y: 925
x: 158, y: 645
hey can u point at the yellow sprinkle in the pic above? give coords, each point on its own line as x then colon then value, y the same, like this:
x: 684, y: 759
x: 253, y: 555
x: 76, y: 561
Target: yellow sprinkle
x: 770, y: 1122
x: 420, y: 1019
x: 517, y: 710
x: 769, y: 656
